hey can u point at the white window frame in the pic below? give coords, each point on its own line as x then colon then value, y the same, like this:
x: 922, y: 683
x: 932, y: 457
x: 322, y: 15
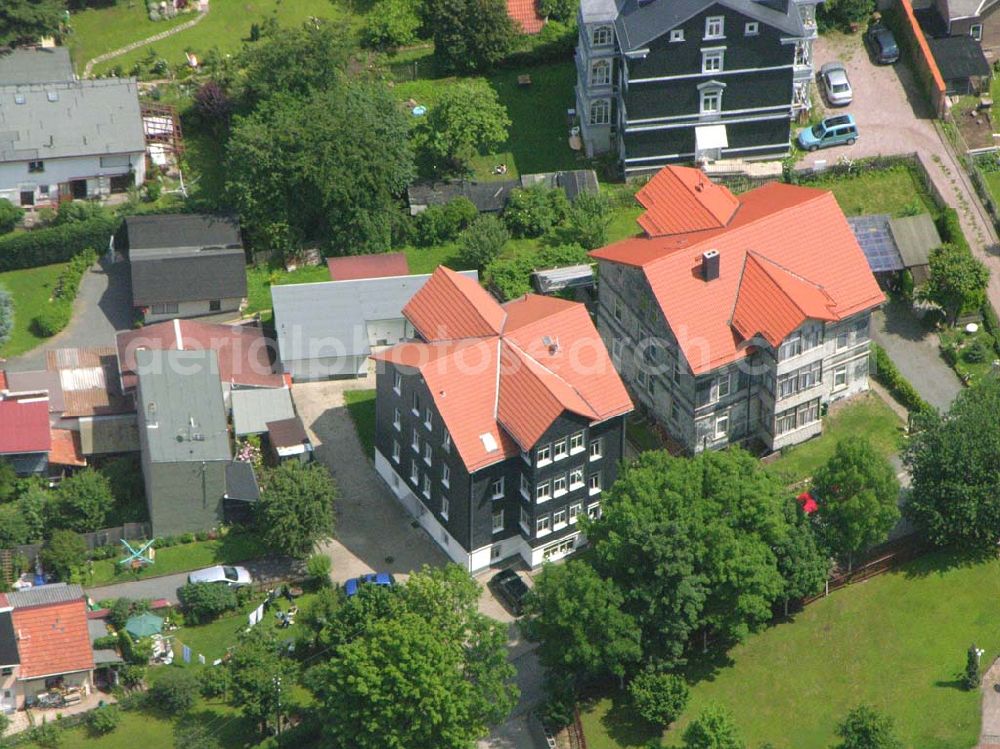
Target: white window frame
x: 525, y: 521
x: 397, y: 420
x: 722, y: 425
x: 576, y: 443
x: 713, y: 60
x: 415, y: 473
x: 396, y: 451
x: 397, y: 382
x: 559, y: 519
x: 415, y: 405
x: 594, y: 510
x: 677, y: 35
x: 425, y: 486
x: 525, y: 487
x: 602, y: 36
x: 559, y: 486
x: 709, y: 95
x: 496, y: 493
x: 498, y: 520
x: 446, y: 444
x: 428, y: 418
x: 446, y: 474
x: 574, y: 511
x: 976, y: 31
x: 415, y: 443
x: 576, y: 479
x: 724, y: 386
x: 428, y: 453
x: 751, y: 28
x: 840, y: 377
x: 715, y: 27
x: 596, y: 448
x: 600, y: 73
x: 594, y: 483
x: 543, y: 492
x: 560, y: 449
x: 445, y: 506
x: 845, y: 336
x: 543, y: 526
x: 619, y: 309
x: 600, y: 112
x: 543, y: 455
x: 617, y: 346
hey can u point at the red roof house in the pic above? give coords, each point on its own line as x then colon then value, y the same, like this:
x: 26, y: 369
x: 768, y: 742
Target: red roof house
x: 354, y: 267
x: 525, y: 15
x: 24, y: 426
x: 53, y: 639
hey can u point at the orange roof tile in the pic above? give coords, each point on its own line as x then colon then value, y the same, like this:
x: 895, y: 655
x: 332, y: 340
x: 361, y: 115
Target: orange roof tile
x: 801, y: 243
x: 679, y: 199
x: 3, y: 380
x: 525, y: 14
x: 352, y: 267
x: 66, y: 450
x: 546, y: 359
x: 53, y: 639
x: 451, y: 306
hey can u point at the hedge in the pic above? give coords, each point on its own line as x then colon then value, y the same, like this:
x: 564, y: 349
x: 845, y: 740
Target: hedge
x: 898, y: 386
x: 59, y: 312
x: 56, y: 244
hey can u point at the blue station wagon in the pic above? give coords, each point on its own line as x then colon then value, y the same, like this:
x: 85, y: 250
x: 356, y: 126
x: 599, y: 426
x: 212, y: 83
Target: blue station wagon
x: 833, y: 131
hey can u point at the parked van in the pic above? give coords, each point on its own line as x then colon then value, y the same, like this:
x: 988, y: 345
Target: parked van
x: 833, y: 131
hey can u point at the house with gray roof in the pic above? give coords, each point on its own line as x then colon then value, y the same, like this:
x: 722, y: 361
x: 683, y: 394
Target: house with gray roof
x: 327, y: 330
x: 184, y: 265
x: 63, y: 139
x: 666, y: 81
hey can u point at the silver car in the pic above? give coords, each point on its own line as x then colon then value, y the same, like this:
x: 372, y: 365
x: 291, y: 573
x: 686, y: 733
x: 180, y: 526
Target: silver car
x: 223, y: 575
x: 835, y: 83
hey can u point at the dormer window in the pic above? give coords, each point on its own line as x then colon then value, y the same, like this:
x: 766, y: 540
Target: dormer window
x: 602, y: 36
x: 752, y: 28
x: 715, y: 27
x: 677, y: 35
x: 600, y: 73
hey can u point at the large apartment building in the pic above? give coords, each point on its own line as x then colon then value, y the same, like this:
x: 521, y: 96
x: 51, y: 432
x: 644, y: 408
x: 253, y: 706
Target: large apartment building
x: 663, y: 81
x: 501, y: 424
x: 737, y: 319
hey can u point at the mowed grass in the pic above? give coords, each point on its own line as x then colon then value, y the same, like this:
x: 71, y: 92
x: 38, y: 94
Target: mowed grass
x: 361, y: 407
x: 261, y: 278
x: 225, y: 29
x: 864, y: 416
x: 235, y: 547
x: 897, y: 191
x: 30, y: 290
x: 897, y: 642
x: 103, y: 29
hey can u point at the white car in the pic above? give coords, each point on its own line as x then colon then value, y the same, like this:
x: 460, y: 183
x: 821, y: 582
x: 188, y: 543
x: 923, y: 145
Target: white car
x: 835, y: 83
x: 222, y: 574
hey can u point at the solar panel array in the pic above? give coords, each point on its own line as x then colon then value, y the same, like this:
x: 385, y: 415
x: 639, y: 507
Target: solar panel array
x: 872, y: 233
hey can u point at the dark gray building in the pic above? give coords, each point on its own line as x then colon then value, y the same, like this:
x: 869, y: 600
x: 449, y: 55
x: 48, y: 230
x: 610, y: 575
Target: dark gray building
x: 663, y: 81
x: 490, y: 430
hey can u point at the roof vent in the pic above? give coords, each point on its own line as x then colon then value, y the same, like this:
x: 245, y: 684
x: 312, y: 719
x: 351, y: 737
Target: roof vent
x: 489, y: 443
x: 553, y: 345
x: 52, y: 95
x: 710, y: 265
x: 19, y: 99
x: 151, y: 415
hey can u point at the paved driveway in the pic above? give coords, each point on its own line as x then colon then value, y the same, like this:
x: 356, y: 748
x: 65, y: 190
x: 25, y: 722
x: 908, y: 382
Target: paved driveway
x: 103, y: 306
x: 891, y: 113
x: 914, y: 350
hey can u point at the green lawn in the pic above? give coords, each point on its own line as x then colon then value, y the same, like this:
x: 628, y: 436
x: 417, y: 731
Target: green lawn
x: 31, y: 289
x: 963, y: 343
x: 897, y: 191
x: 225, y: 29
x: 361, y: 407
x: 260, y: 279
x: 866, y: 415
x: 235, y: 547
x: 897, y: 641
x: 103, y: 29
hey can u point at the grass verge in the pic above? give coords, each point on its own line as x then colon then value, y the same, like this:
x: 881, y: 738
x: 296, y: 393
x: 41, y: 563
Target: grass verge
x: 361, y: 407
x: 30, y: 289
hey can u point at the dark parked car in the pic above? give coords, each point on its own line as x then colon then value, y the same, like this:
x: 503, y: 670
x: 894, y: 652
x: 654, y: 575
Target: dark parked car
x: 508, y: 586
x: 883, y: 44
x: 384, y: 579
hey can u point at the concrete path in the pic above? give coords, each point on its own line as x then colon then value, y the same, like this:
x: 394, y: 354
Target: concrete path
x: 989, y: 736
x: 914, y: 350
x: 103, y: 306
x: 88, y: 68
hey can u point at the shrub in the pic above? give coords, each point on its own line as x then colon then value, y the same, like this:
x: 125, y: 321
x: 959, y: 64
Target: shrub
x: 992, y: 324
x: 53, y: 319
x: 482, y: 242
x: 975, y: 353
x: 213, y: 682
x: 900, y: 388
x: 104, y: 720
x: 6, y: 315
x: 47, y: 735
x: 56, y: 244
x: 533, y: 211
x: 64, y: 552
x: 174, y: 690
x: 659, y: 697
x: 203, y: 602
x: 442, y: 223
x: 132, y: 674
x: 559, y: 10
x: 590, y: 216
x: 10, y: 215
x: 75, y: 211
x: 318, y: 568
x: 107, y: 642
x: 391, y: 24
x: 187, y: 538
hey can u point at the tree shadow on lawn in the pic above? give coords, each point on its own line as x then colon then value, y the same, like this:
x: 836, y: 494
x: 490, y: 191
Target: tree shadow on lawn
x: 622, y: 723
x: 941, y: 561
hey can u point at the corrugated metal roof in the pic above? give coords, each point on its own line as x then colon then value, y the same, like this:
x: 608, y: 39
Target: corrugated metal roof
x: 45, y: 594
x: 916, y: 237
x: 253, y: 408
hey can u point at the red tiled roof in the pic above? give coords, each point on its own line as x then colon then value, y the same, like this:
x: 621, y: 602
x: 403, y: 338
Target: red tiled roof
x: 353, y: 267
x: 66, y: 449
x: 546, y: 358
x: 679, y: 199
x: 53, y: 639
x: 243, y: 351
x: 452, y: 306
x: 3, y: 380
x: 525, y: 14
x: 787, y: 254
x: 24, y: 426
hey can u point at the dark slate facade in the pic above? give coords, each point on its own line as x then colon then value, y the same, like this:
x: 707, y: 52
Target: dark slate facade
x: 665, y: 81
x: 460, y: 514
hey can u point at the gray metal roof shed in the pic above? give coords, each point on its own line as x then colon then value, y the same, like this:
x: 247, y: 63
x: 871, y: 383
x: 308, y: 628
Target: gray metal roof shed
x: 253, y: 409
x: 45, y: 594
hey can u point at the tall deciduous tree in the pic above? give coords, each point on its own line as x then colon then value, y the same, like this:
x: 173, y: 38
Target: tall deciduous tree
x: 468, y: 119
x: 957, y: 281
x: 858, y: 495
x: 84, y: 501
x: 953, y: 464
x: 26, y: 21
x: 65, y: 552
x: 419, y: 667
x: 469, y: 35
x: 590, y: 215
x: 578, y: 620
x: 296, y: 507
x: 258, y: 674
x: 482, y: 243
x: 329, y: 168
x: 713, y: 729
x: 867, y: 728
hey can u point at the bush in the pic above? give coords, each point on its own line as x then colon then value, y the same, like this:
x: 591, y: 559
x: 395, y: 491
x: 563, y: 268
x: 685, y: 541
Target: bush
x: 47, y: 735
x: 559, y: 10
x: 659, y: 697
x: 533, y: 211
x: 10, y: 215
x: 203, y: 602
x: 318, y: 568
x: 75, y: 211
x: 104, y: 720
x: 443, y: 223
x: 975, y: 353
x: 213, y: 681
x: 391, y: 24
x: 174, y: 690
x: 53, y: 319
x: 132, y: 674
x: 511, y: 277
x: 900, y: 388
x: 56, y: 244
x: 65, y: 552
x: 6, y: 315
x: 107, y: 642
x: 992, y: 324
x: 482, y: 242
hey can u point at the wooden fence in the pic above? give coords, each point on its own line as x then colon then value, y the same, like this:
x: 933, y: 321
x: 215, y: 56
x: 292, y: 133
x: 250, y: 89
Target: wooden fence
x: 94, y: 540
x: 886, y: 557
